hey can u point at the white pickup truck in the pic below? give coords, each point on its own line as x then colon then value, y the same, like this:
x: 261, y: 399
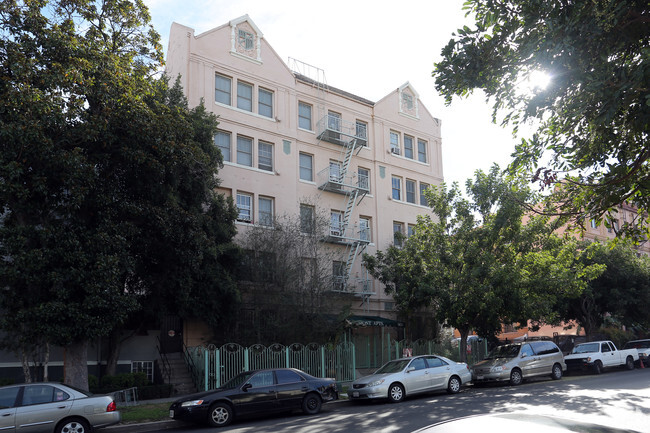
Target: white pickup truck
x: 597, y: 355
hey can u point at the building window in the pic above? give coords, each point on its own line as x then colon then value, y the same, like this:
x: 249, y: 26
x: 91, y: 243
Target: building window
x: 265, y: 210
x: 304, y: 116
x: 145, y: 367
x: 422, y: 151
x: 398, y: 233
x: 338, y: 275
x: 363, y: 175
x: 362, y: 132
x: 410, y: 230
x: 307, y: 219
x: 397, y: 188
x: 408, y: 146
x: 244, y: 96
x: 593, y: 223
x: 335, y: 172
x: 306, y: 167
x: 265, y: 103
x: 389, y: 306
x: 222, y: 89
x: 423, y: 199
x: 410, y: 191
x: 394, y: 143
x: 364, y: 229
x: 407, y: 100
x: 222, y: 141
x: 613, y: 225
x: 265, y: 156
x: 336, y: 223
x: 334, y: 121
x: 245, y: 206
x: 245, y: 39
x: 245, y: 151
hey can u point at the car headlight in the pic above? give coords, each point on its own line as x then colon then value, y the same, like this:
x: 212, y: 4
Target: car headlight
x: 192, y: 403
x: 498, y: 369
x: 643, y: 353
x: 376, y: 383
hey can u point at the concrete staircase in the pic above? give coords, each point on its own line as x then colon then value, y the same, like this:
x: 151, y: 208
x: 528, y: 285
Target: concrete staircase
x: 181, y: 378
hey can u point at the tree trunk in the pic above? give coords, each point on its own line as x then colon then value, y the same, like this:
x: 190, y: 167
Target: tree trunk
x: 25, y: 362
x: 75, y: 365
x: 46, y: 361
x: 114, y: 346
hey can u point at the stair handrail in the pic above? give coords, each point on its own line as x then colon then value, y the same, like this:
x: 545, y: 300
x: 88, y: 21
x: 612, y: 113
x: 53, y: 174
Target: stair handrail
x: 189, y: 362
x: 166, y: 367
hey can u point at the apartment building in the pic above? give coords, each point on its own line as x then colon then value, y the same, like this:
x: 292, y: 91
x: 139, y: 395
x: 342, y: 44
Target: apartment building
x: 292, y: 144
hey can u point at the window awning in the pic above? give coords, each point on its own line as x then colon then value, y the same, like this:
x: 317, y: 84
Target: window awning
x: 363, y: 321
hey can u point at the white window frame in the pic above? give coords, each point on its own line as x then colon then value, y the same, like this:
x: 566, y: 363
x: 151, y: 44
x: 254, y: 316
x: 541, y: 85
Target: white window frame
x: 408, y: 148
x: 395, y: 147
x: 363, y: 178
x: 245, y: 207
x: 145, y: 367
x: 307, y: 221
x: 364, y: 229
x: 265, y: 216
x: 244, y: 100
x: 245, y: 39
x: 264, y: 108
x: 242, y: 153
x: 396, y: 188
x: 265, y: 155
x: 219, y: 140
x: 411, y: 193
x: 422, y: 150
x: 302, y: 117
x: 336, y: 223
x: 423, y: 199
x: 220, y: 91
x: 398, y: 227
x: 303, y: 169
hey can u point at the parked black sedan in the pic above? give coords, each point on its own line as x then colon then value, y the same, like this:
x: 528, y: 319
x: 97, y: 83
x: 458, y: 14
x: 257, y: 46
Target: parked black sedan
x: 256, y: 392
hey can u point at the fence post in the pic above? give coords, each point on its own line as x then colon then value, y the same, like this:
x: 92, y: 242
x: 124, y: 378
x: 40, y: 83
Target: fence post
x: 286, y: 357
x: 354, y: 362
x: 246, y: 359
x: 323, y: 368
x: 206, y: 369
x: 217, y: 366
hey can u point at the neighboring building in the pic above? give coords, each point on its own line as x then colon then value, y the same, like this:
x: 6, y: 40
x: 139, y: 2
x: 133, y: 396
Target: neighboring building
x: 294, y: 145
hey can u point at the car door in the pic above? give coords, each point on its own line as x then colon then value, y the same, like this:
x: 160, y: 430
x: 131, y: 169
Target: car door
x: 39, y: 409
x: 257, y: 395
x: 609, y: 356
x: 528, y: 360
x: 416, y: 376
x: 439, y: 372
x: 291, y: 388
x: 8, y: 397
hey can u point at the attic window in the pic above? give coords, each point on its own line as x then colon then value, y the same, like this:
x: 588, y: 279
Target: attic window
x: 245, y: 39
x: 407, y: 100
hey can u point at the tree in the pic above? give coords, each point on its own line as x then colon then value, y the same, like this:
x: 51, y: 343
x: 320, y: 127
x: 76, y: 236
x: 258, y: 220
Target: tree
x: 593, y: 117
x: 107, y: 180
x: 286, y: 263
x: 621, y: 291
x: 475, y: 262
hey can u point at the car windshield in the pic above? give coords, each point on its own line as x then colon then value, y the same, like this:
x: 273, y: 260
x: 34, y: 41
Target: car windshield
x: 507, y: 351
x: 393, y: 366
x: 585, y: 348
x: 238, y: 380
x: 637, y: 345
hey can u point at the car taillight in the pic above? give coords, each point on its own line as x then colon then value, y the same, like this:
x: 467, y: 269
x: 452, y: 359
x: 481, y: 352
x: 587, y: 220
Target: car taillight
x: 112, y: 407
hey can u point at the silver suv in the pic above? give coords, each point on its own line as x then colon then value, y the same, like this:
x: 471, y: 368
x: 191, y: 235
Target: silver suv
x: 518, y: 361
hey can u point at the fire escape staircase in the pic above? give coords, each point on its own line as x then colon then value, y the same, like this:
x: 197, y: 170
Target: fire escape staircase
x: 338, y: 179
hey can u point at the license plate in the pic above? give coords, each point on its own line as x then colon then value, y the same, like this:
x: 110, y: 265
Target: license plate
x: 479, y: 377
x: 355, y: 394
x: 171, y: 414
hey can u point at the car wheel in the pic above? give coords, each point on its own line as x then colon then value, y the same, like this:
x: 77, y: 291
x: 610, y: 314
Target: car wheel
x: 598, y: 367
x: 220, y: 415
x: 556, y: 373
x: 73, y: 425
x: 396, y: 393
x: 629, y: 363
x: 454, y: 385
x: 311, y: 404
x: 515, y: 377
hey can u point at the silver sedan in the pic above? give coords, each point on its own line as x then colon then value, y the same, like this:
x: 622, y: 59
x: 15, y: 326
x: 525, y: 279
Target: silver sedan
x: 407, y: 376
x: 52, y: 407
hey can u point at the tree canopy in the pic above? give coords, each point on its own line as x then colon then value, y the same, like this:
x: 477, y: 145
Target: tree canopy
x: 593, y: 117
x: 107, y: 180
x: 476, y: 263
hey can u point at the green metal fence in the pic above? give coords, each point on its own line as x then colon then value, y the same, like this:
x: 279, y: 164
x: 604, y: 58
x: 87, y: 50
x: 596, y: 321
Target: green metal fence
x: 216, y: 365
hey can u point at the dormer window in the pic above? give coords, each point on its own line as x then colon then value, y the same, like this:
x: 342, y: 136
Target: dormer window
x: 407, y: 100
x: 246, y: 40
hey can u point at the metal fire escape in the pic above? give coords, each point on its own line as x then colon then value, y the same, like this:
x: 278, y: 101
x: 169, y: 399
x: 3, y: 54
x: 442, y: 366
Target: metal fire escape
x: 352, y: 137
x: 338, y: 178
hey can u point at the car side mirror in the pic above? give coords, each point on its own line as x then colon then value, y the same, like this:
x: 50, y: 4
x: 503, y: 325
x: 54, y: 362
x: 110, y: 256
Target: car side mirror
x: 523, y: 355
x: 410, y: 369
x: 246, y: 387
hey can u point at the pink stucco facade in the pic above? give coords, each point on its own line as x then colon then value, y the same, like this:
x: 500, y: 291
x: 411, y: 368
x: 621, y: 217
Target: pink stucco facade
x: 264, y: 106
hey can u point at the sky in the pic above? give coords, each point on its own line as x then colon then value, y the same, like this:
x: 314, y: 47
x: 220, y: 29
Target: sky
x: 367, y: 48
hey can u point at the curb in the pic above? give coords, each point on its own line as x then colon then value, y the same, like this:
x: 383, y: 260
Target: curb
x: 153, y: 426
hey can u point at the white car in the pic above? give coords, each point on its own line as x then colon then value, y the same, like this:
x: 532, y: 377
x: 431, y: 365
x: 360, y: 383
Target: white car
x: 407, y: 376
x: 641, y: 346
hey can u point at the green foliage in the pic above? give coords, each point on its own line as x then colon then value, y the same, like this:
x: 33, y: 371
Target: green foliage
x: 107, y: 199
x: 475, y: 262
x: 145, y: 413
x: 617, y: 335
x: 593, y: 118
x: 124, y: 381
